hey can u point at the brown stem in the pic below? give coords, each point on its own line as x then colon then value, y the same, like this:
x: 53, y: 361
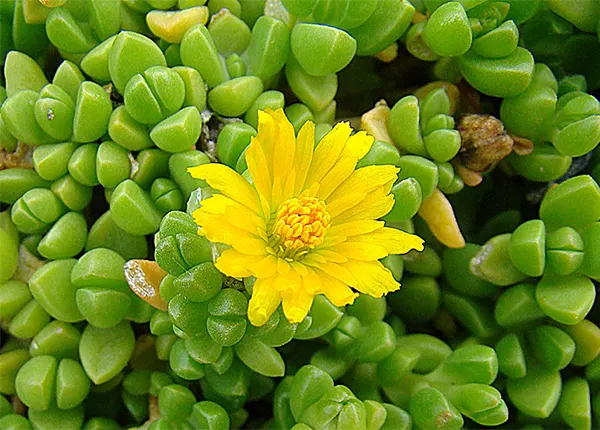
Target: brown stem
x: 18, y: 406
x: 154, y: 412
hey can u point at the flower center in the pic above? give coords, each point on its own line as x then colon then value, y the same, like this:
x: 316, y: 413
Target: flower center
x: 301, y: 224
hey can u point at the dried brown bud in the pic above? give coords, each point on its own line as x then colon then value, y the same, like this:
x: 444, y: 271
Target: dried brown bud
x: 21, y: 157
x: 484, y: 142
x: 522, y: 146
x: 469, y: 177
x: 144, y: 278
x: 375, y: 122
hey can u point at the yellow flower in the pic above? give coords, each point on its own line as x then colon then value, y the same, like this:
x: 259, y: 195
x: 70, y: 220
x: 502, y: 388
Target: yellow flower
x: 306, y: 225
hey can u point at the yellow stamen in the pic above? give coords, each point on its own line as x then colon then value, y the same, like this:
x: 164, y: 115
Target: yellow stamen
x: 301, y: 224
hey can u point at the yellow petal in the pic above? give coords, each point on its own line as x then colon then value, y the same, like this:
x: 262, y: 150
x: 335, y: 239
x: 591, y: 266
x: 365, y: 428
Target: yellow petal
x: 338, y: 174
x: 311, y: 191
x: 251, y: 246
x: 338, y: 271
x: 331, y: 254
x: 235, y: 213
x: 266, y: 136
x: 311, y: 282
x: 371, y: 277
x: 305, y: 144
x: 355, y: 228
x: 264, y: 301
x: 356, y: 147
x: 313, y: 259
x: 284, y: 148
x: 393, y: 240
x: 277, y: 192
x: 264, y: 268
x: 217, y: 229
x: 336, y: 291
x: 342, y: 204
x: 248, y: 224
x: 266, y: 207
x: 437, y: 212
x: 257, y: 166
x: 233, y: 263
x: 365, y: 180
x: 373, y: 206
x: 214, y: 230
x: 288, y: 281
x: 296, y: 304
x: 290, y: 184
x: 300, y: 268
x: 327, y: 152
x: 228, y: 182
x: 359, y: 251
x: 283, y: 266
x: 218, y: 204
x: 331, y: 240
